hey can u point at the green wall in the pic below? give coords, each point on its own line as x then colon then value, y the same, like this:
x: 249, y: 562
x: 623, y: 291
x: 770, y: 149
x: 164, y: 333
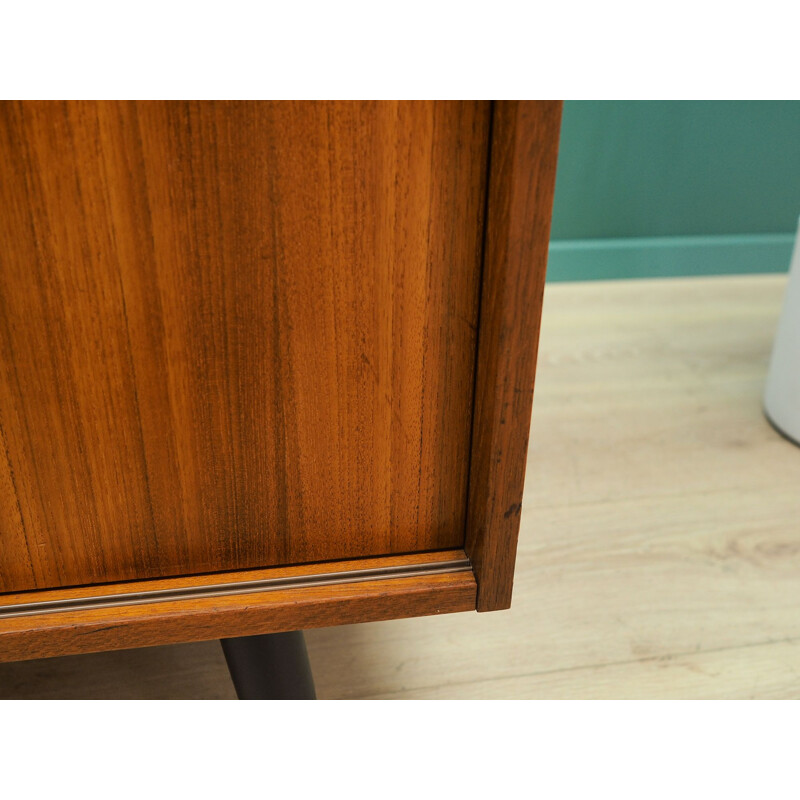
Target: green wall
x: 649, y: 188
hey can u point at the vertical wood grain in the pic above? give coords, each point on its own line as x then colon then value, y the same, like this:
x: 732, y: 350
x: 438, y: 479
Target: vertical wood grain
x: 523, y: 159
x: 234, y: 334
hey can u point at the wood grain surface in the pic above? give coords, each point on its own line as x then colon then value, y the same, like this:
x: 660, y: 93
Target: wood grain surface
x: 234, y: 335
x: 521, y: 186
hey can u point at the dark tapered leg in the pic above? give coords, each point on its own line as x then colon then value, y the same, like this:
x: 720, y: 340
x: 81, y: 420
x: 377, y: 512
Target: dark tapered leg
x: 270, y: 667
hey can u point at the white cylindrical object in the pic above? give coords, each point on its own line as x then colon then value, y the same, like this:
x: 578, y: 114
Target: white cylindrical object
x: 782, y: 395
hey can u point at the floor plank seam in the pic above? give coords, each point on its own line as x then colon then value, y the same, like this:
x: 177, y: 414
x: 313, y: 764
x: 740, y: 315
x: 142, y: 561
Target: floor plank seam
x: 583, y: 667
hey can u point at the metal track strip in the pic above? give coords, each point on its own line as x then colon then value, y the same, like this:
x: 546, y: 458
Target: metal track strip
x: 241, y: 587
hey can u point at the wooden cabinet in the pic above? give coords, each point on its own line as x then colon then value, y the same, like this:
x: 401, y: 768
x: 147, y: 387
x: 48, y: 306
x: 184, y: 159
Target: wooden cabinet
x: 263, y: 366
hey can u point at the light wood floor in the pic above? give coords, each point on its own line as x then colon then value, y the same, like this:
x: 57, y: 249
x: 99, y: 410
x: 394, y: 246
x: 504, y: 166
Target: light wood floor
x: 660, y: 546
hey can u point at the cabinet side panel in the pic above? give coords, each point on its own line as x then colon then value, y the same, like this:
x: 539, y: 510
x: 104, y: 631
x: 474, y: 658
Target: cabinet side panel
x: 523, y: 157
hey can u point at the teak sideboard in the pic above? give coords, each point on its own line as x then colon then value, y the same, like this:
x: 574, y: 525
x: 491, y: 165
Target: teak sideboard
x: 264, y: 366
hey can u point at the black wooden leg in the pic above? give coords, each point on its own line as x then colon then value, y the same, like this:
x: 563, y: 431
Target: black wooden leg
x: 270, y: 667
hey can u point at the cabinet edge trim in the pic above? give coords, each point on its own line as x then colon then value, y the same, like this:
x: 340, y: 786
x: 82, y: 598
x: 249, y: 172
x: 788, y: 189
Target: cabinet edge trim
x: 235, y: 587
